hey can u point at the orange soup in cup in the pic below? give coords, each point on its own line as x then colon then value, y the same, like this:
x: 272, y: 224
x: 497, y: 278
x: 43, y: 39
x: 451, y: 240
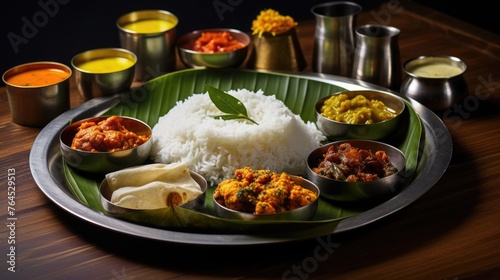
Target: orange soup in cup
x: 38, y: 77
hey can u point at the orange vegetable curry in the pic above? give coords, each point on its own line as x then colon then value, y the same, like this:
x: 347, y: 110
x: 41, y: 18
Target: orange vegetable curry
x: 108, y: 135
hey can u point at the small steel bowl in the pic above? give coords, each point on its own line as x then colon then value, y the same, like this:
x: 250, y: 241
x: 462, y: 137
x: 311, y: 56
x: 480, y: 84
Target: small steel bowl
x: 436, y: 88
x: 155, y: 49
x: 300, y: 214
x: 335, y: 130
x: 376, y: 190
x: 195, y: 204
x: 105, y: 162
x: 195, y: 59
x: 37, y: 104
x: 92, y: 84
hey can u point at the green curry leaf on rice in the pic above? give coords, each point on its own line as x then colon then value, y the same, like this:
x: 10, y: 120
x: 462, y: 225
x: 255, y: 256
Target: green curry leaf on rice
x: 228, y: 104
x: 159, y: 95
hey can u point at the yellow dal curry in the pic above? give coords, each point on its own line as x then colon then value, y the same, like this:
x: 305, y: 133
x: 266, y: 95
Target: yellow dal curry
x: 358, y: 110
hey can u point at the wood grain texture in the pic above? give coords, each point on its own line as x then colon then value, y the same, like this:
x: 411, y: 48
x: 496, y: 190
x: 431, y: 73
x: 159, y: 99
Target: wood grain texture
x: 451, y: 232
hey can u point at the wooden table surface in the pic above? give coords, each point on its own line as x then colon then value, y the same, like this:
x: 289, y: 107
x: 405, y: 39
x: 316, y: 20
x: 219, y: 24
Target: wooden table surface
x: 451, y: 232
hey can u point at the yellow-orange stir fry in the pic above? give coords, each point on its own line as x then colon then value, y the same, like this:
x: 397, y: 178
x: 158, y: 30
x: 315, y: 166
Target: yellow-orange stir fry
x: 271, y: 21
x: 262, y: 192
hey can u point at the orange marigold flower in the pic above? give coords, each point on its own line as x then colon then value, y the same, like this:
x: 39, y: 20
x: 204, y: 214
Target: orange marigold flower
x: 272, y: 22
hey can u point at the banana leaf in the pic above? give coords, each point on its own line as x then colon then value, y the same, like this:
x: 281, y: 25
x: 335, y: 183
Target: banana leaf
x: 156, y: 97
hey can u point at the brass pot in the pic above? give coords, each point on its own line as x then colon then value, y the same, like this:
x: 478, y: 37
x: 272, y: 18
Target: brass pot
x: 277, y: 52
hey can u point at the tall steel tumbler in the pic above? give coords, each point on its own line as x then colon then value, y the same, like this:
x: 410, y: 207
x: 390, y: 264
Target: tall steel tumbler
x: 334, y: 43
x: 377, y: 58
x: 155, y: 51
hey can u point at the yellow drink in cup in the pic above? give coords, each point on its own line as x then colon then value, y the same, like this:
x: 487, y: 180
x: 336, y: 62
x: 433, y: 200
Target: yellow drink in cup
x: 106, y: 65
x: 149, y: 26
x: 103, y: 72
x: 150, y: 34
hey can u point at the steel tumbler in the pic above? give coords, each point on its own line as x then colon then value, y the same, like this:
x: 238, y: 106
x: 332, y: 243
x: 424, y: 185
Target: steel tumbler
x: 334, y: 42
x: 377, y: 58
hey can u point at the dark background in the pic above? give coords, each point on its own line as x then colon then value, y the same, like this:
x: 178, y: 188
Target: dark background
x: 56, y: 30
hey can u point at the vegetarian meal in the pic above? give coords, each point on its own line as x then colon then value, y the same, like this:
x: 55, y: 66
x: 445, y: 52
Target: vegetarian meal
x: 216, y: 147
x: 262, y: 192
x: 351, y: 164
x: 216, y: 42
x: 108, y: 135
x: 358, y: 110
x: 152, y: 186
x: 271, y: 21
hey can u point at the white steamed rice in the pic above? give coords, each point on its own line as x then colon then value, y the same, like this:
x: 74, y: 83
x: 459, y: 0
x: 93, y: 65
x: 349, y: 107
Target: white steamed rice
x: 215, y: 148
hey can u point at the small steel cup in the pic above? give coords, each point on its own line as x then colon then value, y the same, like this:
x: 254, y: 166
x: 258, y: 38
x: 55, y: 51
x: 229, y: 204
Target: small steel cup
x: 98, y: 84
x: 155, y: 50
x: 437, y: 87
x: 37, y: 105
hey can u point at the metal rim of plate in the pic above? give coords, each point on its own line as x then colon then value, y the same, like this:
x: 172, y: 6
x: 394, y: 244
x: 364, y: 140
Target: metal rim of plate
x: 46, y: 168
